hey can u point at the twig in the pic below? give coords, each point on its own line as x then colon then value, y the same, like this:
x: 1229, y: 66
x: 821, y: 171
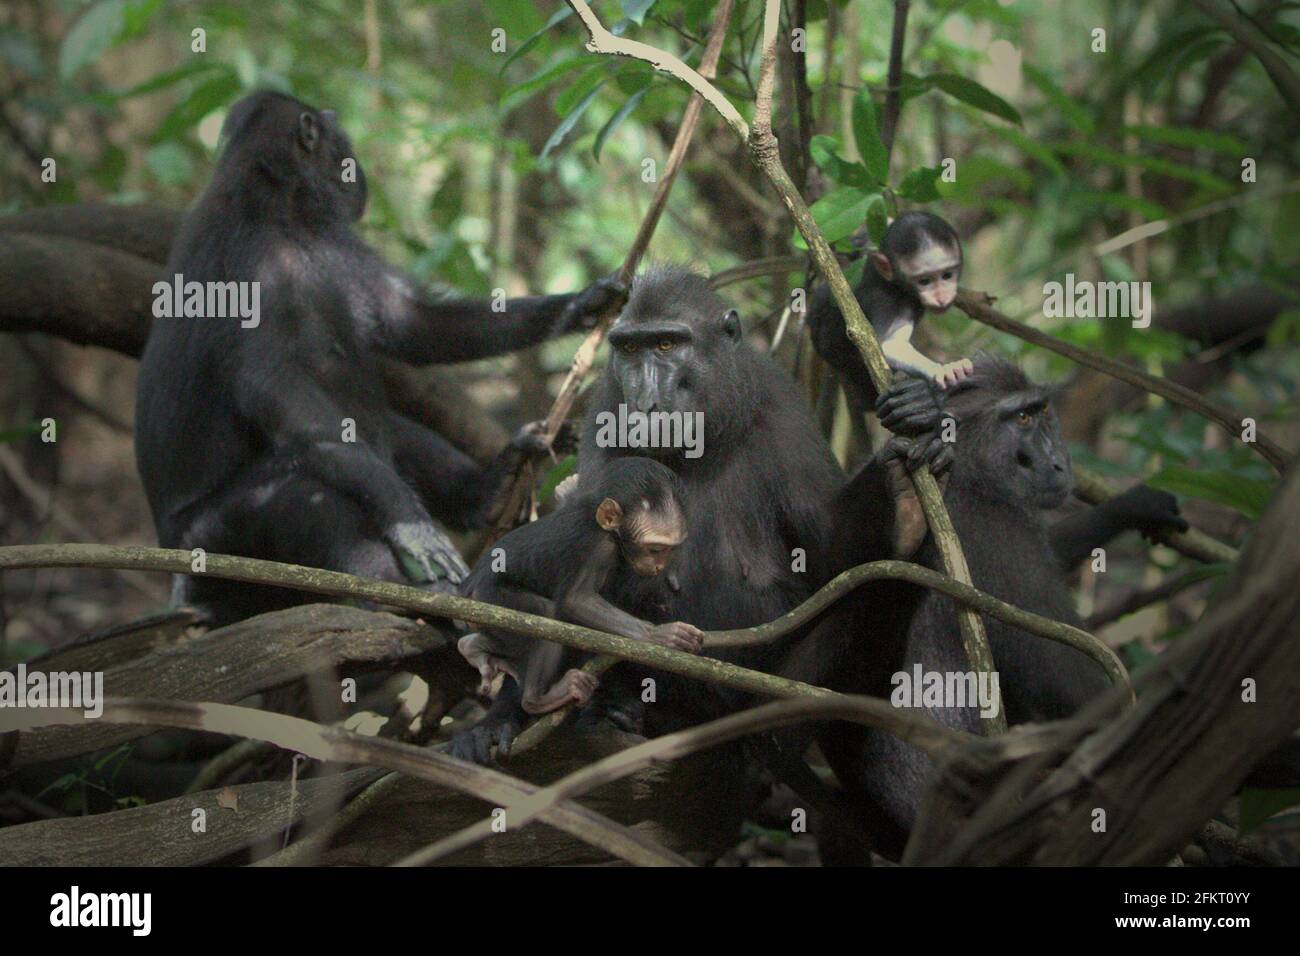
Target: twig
x: 979, y: 306
x: 912, y: 728
x: 1257, y: 42
x: 893, y: 98
x: 586, y: 354
x: 1135, y: 602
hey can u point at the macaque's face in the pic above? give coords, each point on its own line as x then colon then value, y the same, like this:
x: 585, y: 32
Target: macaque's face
x: 649, y: 541
x: 932, y: 274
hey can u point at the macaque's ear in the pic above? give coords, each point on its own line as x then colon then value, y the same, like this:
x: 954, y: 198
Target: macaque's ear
x: 731, y: 324
x: 883, y: 266
x: 609, y: 515
x: 308, y: 132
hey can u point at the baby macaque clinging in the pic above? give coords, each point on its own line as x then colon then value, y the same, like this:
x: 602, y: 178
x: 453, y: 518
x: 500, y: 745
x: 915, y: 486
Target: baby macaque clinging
x: 915, y: 270
x: 570, y: 565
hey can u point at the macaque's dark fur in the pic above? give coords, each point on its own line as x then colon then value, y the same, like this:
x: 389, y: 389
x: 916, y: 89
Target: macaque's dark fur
x: 239, y: 430
x: 758, y: 491
x: 1004, y: 475
x: 544, y: 556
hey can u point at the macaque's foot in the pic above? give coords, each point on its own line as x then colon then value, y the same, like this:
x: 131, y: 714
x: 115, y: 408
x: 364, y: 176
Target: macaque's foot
x: 678, y: 635
x: 953, y: 372
x: 475, y: 745
x: 426, y: 555
x: 574, y: 687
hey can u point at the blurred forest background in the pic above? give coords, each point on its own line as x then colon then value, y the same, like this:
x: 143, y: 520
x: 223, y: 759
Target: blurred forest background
x: 525, y: 169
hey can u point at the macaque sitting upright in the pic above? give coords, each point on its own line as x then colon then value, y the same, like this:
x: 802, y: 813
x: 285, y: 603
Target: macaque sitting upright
x: 915, y: 270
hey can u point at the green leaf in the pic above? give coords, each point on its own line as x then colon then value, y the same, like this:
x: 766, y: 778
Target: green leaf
x: 919, y: 184
x: 511, y: 97
x: 635, y: 10
x: 1190, y: 138
x: 1247, y: 495
x: 877, y: 220
x: 1032, y: 148
x: 90, y: 36
x: 18, y: 433
x: 163, y: 80
x: 866, y: 135
x: 205, y: 98
x: 17, y: 49
x: 825, y: 153
x: 593, y: 79
x: 840, y: 212
x: 973, y: 94
x: 448, y: 200
x: 170, y: 163
x: 566, y: 466
x: 623, y: 113
x: 558, y: 16
x: 1258, y: 805
x: 1285, y: 329
x: 1070, y: 108
x: 568, y: 123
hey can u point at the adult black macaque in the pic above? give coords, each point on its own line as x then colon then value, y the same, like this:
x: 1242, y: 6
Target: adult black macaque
x: 915, y: 270
x: 756, y: 493
x: 275, y: 440
x: 572, y: 565
x: 1009, y: 465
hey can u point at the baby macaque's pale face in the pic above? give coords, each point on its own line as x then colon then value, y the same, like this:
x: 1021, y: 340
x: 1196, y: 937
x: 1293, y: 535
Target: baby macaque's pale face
x: 933, y: 272
x: 653, y: 539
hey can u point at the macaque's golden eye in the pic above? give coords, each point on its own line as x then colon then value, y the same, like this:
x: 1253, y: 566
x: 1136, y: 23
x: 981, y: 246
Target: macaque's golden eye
x: 628, y: 347
x: 666, y: 345
x: 1024, y: 418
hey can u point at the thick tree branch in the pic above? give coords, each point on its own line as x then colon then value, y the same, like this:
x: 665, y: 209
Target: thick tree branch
x: 334, y: 744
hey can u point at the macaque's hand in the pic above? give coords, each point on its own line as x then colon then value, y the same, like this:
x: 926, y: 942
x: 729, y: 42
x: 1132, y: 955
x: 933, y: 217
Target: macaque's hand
x: 475, y: 745
x: 426, y: 555
x: 1149, y: 511
x: 953, y: 372
x: 599, y: 298
x: 678, y: 635
x: 912, y: 406
x: 530, y: 440
x: 579, y: 686
x: 926, y: 450
x: 565, y: 488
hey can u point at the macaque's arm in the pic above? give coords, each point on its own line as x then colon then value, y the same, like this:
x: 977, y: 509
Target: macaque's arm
x: 900, y: 353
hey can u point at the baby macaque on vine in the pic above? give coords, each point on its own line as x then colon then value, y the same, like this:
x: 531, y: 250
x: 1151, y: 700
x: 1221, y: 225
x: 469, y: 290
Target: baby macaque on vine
x: 571, y: 565
x: 915, y: 270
